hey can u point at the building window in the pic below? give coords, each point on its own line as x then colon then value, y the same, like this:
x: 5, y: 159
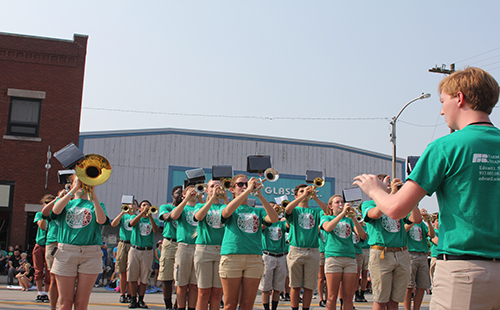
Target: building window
x: 24, y: 117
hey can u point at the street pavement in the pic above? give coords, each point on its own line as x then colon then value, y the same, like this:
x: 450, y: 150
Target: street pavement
x: 104, y: 299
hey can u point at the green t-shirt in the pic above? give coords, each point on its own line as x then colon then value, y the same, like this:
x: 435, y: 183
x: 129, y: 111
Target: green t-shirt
x: 463, y: 169
x: 417, y: 238
x: 321, y: 241
x: 434, y: 251
x: 364, y: 242
x: 125, y: 228
x: 78, y: 224
x: 142, y: 233
x: 243, y: 231
x: 41, y: 234
x: 357, y: 241
x: 158, y: 252
x: 186, y: 226
x: 170, y: 227
x: 273, y: 238
x: 339, y: 240
x: 52, y: 230
x: 384, y: 231
x: 210, y: 230
x: 304, y: 227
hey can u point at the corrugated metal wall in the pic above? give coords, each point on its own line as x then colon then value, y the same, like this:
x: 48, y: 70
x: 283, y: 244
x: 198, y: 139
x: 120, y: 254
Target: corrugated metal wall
x: 140, y: 159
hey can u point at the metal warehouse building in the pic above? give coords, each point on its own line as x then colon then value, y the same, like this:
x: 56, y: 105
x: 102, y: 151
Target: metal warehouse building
x: 149, y: 163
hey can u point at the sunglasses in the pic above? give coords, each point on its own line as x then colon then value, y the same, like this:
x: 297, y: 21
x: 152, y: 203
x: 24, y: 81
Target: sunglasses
x: 47, y: 202
x: 241, y: 184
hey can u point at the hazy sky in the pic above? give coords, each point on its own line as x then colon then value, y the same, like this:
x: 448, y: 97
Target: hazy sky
x: 352, y: 64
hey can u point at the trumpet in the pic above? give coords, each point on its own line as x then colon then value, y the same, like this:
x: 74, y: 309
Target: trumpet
x: 351, y: 212
x: 152, y: 210
x: 125, y: 208
x: 318, y: 182
x: 270, y: 175
x: 284, y: 203
x: 226, y: 183
x: 200, y: 188
x: 93, y: 170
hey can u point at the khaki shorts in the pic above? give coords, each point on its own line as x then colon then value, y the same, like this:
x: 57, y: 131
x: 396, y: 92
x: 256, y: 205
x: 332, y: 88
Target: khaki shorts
x: 433, y: 268
x: 303, y: 267
x: 167, y: 260
x: 241, y: 266
x: 70, y: 260
x: 49, y: 258
x: 460, y: 284
x: 206, y: 265
x: 274, y: 273
x: 390, y: 276
x: 122, y: 256
x: 366, y: 259
x: 337, y: 264
x: 184, y: 273
x: 359, y: 261
x: 139, y: 265
x: 321, y: 258
x: 420, y: 275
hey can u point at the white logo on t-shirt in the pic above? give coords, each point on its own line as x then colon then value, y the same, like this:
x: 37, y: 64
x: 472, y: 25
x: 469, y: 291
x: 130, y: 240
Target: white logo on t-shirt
x: 78, y: 217
x: 390, y: 225
x: 306, y: 220
x: 190, y: 218
x: 355, y: 238
x: 144, y: 229
x: 343, y: 230
x: 480, y: 158
x: 322, y: 236
x: 416, y: 233
x: 213, y: 219
x: 248, y: 222
x: 127, y: 226
x: 275, y: 233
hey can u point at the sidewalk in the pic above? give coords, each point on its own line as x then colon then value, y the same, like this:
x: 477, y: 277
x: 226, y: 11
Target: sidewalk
x: 104, y: 299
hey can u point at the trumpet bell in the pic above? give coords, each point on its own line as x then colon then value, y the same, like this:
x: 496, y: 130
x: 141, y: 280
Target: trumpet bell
x: 200, y: 188
x: 319, y: 182
x: 226, y: 183
x: 271, y: 175
x: 125, y: 208
x: 153, y: 209
x: 93, y: 170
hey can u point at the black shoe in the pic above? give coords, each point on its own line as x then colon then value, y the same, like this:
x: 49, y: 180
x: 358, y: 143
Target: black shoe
x: 221, y: 304
x: 287, y: 297
x: 133, y: 304
x: 300, y: 300
x: 123, y: 299
x: 45, y: 298
x: 38, y: 298
x: 322, y: 303
x: 142, y: 304
x: 357, y: 297
x: 362, y: 295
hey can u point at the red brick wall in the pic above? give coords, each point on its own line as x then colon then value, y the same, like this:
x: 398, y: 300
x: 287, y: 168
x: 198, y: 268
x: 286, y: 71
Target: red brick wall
x: 57, y: 68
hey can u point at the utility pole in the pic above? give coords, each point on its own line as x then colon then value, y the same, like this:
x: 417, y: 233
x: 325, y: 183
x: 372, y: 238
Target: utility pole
x: 443, y: 69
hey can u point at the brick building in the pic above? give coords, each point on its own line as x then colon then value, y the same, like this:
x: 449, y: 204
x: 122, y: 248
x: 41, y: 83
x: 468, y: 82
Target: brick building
x: 41, y: 85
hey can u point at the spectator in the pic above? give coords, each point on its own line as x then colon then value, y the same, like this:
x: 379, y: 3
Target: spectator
x: 13, y: 266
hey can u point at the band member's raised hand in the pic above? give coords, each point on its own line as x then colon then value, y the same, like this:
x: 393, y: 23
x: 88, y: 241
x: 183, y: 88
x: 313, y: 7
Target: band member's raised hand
x: 369, y: 183
x: 396, y: 185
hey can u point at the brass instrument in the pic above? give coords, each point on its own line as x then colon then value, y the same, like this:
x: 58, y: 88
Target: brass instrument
x: 226, y: 183
x: 282, y: 208
x: 93, y: 170
x: 125, y: 208
x: 200, y: 188
x: 351, y: 212
x: 270, y: 175
x: 318, y: 182
x: 284, y: 203
x: 152, y: 210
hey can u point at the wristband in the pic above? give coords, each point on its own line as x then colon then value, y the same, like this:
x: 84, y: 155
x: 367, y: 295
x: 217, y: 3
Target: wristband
x: 71, y: 194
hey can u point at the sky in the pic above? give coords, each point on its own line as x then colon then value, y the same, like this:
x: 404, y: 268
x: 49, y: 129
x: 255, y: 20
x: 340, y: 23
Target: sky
x: 333, y: 71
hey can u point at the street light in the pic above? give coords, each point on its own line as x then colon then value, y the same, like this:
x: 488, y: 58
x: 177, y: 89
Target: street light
x: 393, y: 132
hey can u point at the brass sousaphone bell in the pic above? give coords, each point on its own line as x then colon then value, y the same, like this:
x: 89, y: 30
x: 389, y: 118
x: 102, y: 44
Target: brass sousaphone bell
x: 93, y: 170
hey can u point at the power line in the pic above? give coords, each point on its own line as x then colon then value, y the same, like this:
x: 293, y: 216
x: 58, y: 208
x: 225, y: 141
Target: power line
x: 498, y: 48
x: 270, y: 118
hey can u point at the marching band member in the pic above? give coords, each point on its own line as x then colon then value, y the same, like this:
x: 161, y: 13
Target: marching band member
x: 169, y: 247
x: 210, y: 232
x: 123, y: 219
x: 303, y: 258
x: 418, y: 248
x: 274, y: 250
x: 184, y: 273
x: 241, y: 265
x: 141, y: 256
x: 389, y: 258
x: 340, y: 254
x: 78, y: 255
